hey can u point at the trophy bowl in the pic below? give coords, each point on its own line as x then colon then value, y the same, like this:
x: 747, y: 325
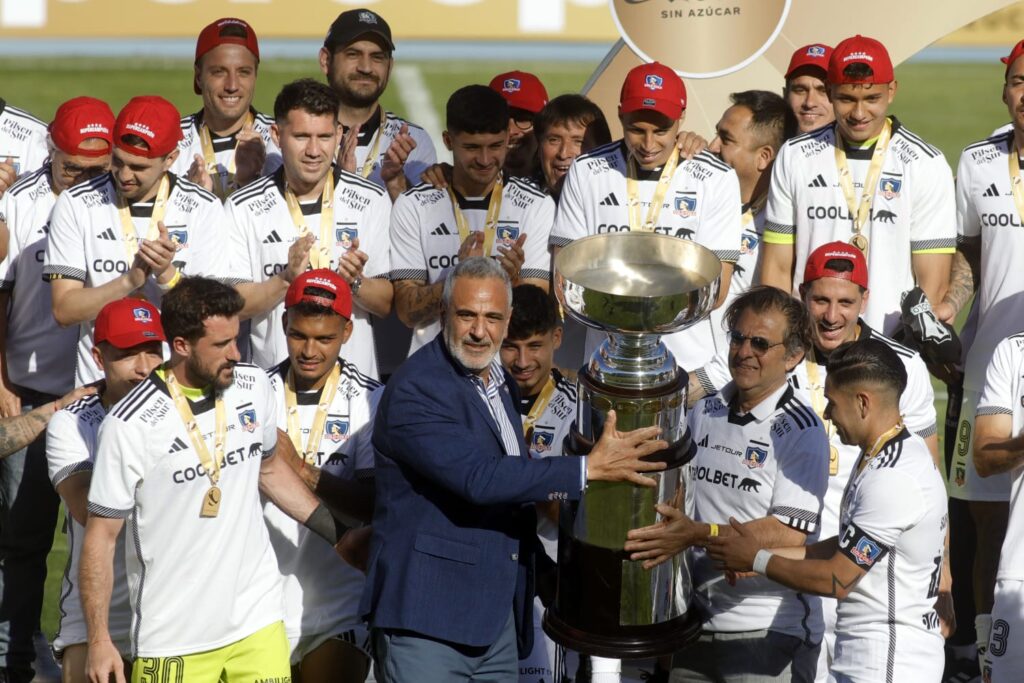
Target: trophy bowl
x: 636, y: 282
x: 635, y: 287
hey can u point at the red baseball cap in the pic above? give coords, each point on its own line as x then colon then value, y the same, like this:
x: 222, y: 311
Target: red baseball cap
x: 321, y: 278
x: 226, y: 31
x: 128, y: 322
x: 860, y: 50
x: 153, y: 119
x: 80, y: 119
x: 655, y: 87
x: 815, y: 54
x: 1016, y: 52
x: 521, y: 90
x: 817, y: 268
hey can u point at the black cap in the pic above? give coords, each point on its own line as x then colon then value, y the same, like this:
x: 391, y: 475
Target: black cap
x: 354, y: 23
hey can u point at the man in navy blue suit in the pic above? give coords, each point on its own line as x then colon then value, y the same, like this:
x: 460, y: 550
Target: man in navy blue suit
x: 450, y: 584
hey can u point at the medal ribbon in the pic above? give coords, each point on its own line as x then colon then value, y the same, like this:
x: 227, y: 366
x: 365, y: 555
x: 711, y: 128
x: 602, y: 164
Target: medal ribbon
x: 633, y: 193
x: 131, y: 238
x: 320, y: 419
x: 1016, y: 182
x: 320, y: 254
x: 221, y: 187
x: 490, y: 223
x: 210, y: 464
x: 371, y: 158
x: 753, y: 209
x: 883, y: 439
x: 862, y: 212
x: 538, y: 408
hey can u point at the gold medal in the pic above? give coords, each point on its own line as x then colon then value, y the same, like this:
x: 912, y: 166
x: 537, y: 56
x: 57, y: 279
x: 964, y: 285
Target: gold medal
x: 211, y: 502
x: 490, y: 228
x: 633, y: 193
x: 860, y: 242
x: 320, y: 254
x: 833, y: 460
x: 860, y: 211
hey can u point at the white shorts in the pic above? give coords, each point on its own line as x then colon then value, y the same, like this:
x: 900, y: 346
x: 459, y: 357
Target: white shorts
x: 868, y: 658
x: 71, y: 631
x: 1006, y: 641
x: 354, y: 633
x: 963, y: 481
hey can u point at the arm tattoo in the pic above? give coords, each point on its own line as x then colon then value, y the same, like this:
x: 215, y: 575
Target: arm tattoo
x: 423, y: 302
x: 21, y: 430
x: 961, y: 282
x: 837, y: 584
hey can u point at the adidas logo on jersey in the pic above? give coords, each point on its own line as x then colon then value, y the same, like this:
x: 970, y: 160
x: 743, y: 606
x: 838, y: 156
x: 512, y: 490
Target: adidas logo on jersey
x: 610, y: 200
x: 991, y: 191
x: 177, y: 446
x: 272, y: 238
x: 703, y: 443
x: 818, y: 182
x: 107, y: 234
x: 441, y: 230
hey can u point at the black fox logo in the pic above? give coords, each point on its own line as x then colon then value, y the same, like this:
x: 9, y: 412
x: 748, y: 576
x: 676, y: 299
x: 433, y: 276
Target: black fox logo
x: 885, y: 216
x: 749, y: 484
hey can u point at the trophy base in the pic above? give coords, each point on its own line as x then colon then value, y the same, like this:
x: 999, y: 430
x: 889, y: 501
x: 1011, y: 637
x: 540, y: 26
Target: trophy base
x: 629, y: 642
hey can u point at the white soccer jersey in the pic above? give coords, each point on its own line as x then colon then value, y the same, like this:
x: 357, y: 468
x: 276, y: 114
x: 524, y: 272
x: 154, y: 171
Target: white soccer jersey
x: 893, y: 525
x: 917, y: 406
x: 702, y: 204
x: 771, y: 461
x: 425, y: 237
x: 745, y: 272
x: 548, y: 438
x: 419, y: 160
x: 22, y: 139
x: 196, y: 583
x: 912, y: 211
x: 261, y: 232
x: 191, y: 144
x: 70, y: 450
x: 87, y: 243
x: 40, y: 354
x: 1004, y: 394
x: 321, y: 590
x: 985, y: 210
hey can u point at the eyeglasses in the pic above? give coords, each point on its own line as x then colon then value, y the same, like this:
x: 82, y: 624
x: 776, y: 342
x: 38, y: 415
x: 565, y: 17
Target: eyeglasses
x: 760, y: 345
x: 71, y: 170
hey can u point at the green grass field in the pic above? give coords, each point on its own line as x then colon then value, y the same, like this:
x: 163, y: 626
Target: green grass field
x: 949, y: 105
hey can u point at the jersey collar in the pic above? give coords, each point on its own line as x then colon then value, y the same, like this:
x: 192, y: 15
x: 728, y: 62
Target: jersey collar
x: 762, y: 411
x: 204, y: 404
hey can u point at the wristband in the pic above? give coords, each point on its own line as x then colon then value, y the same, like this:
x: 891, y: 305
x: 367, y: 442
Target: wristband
x: 760, y: 564
x: 172, y: 283
x: 714, y: 530
x: 323, y: 524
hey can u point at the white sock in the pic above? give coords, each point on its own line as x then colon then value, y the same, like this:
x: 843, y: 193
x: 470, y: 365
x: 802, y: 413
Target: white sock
x: 983, y: 628
x: 603, y: 670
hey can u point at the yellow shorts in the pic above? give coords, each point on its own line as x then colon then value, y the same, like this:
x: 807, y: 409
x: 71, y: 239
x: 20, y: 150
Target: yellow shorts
x: 261, y: 657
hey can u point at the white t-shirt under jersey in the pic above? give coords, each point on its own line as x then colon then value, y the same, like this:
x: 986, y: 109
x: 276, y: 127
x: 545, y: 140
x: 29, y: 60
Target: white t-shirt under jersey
x: 425, y: 237
x: 40, y: 354
x: 769, y: 462
x: 985, y: 210
x: 70, y: 450
x: 1004, y: 394
x: 191, y: 144
x: 196, y: 583
x: 912, y: 211
x: 893, y: 525
x: 702, y: 204
x: 321, y: 590
x: 87, y: 243
x: 22, y: 139
x: 261, y: 231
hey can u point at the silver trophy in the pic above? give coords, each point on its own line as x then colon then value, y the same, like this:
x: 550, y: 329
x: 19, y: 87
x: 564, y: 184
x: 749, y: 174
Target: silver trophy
x: 636, y: 287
